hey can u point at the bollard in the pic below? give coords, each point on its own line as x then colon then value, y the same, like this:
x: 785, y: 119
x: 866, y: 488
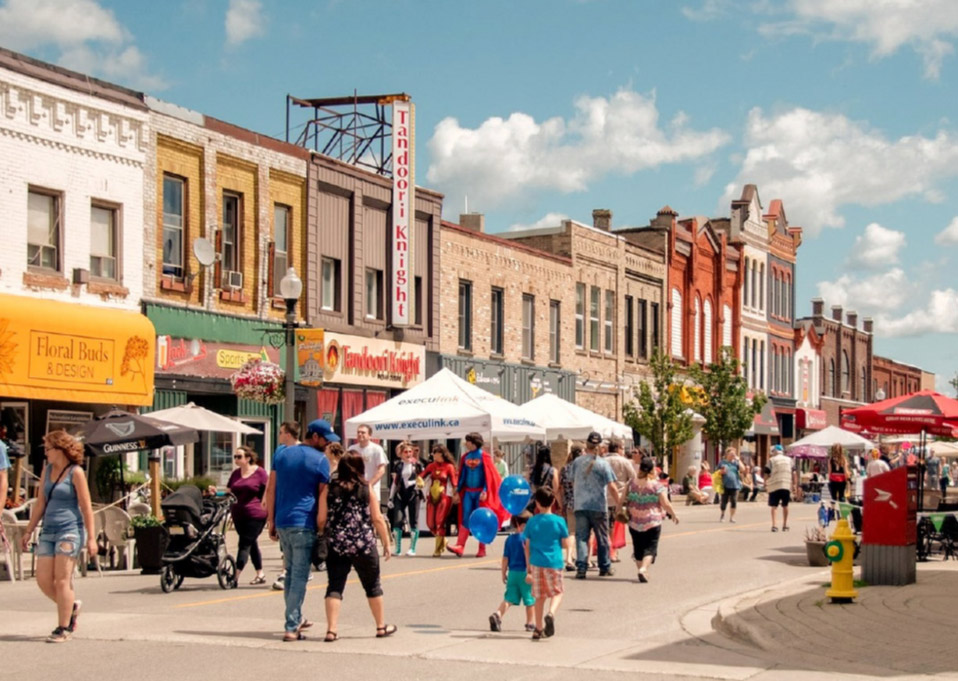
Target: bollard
x: 841, y: 554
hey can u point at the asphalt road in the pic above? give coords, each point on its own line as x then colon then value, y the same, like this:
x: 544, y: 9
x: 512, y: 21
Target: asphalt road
x: 605, y: 626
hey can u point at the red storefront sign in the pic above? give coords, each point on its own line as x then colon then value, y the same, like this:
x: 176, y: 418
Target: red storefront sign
x: 811, y: 419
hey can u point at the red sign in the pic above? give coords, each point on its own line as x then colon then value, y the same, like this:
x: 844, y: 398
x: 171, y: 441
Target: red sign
x: 194, y: 357
x: 811, y: 419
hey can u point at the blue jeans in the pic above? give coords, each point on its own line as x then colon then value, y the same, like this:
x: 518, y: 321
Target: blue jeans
x: 297, y: 544
x: 586, y: 522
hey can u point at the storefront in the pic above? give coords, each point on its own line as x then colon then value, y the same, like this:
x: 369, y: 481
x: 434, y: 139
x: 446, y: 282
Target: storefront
x: 360, y: 373
x: 808, y: 420
x: 63, y: 363
x: 764, y: 430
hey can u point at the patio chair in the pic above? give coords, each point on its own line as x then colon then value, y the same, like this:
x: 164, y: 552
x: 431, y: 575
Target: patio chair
x: 116, y: 526
x: 13, y: 557
x: 139, y: 508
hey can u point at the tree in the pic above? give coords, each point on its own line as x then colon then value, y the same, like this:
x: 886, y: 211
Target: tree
x: 954, y: 384
x: 727, y: 409
x: 658, y: 413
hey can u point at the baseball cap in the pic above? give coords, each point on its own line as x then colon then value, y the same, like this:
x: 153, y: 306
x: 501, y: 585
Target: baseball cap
x: 594, y: 438
x: 322, y: 428
x: 778, y: 448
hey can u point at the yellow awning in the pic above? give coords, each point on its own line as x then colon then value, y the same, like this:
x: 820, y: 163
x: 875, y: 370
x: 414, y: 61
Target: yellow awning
x: 69, y: 352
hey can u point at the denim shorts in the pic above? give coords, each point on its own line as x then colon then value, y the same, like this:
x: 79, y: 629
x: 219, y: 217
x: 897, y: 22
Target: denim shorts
x: 61, y: 542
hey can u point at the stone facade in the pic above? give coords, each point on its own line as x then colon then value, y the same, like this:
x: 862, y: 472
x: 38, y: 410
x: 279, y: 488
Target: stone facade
x: 895, y: 379
x: 71, y: 148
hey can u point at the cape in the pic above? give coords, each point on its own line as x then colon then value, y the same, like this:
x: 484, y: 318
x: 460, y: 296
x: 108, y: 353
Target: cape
x: 493, y: 481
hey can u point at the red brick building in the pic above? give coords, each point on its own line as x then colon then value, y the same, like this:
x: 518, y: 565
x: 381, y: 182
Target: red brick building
x: 894, y: 379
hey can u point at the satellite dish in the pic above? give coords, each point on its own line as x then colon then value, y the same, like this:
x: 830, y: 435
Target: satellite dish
x: 204, y: 252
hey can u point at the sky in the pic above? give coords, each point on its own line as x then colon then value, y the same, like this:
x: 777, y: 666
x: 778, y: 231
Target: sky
x: 538, y: 110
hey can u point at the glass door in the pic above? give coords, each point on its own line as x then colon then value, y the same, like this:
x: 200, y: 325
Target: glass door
x: 258, y: 442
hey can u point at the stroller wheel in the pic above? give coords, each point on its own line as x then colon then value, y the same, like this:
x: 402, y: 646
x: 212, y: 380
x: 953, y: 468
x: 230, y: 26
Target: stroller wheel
x: 226, y: 573
x: 169, y: 580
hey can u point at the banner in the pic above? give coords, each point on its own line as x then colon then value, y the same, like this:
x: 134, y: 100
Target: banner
x: 310, y: 356
x: 404, y: 207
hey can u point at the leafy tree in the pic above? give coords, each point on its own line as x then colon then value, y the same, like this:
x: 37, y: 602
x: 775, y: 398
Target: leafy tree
x: 954, y: 384
x: 728, y: 411
x: 658, y: 412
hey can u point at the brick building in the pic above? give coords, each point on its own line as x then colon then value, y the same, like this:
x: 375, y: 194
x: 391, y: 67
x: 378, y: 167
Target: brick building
x: 895, y: 379
x: 846, y: 374
x: 617, y: 305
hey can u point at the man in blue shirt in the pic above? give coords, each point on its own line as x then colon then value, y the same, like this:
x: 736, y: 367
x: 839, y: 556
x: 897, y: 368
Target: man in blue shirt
x: 593, y: 482
x: 299, y: 474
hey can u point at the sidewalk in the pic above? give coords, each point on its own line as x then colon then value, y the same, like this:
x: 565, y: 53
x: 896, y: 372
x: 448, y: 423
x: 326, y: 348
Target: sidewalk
x: 888, y: 631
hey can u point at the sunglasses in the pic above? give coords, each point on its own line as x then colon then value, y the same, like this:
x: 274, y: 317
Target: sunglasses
x: 238, y: 457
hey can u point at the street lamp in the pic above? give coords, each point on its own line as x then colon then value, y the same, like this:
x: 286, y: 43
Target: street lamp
x: 290, y: 288
x: 879, y: 395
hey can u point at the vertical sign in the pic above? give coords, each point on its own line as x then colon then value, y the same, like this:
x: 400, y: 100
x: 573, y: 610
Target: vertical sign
x: 404, y: 168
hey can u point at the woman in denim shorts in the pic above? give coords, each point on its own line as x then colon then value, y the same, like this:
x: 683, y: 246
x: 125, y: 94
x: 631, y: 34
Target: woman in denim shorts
x: 66, y: 514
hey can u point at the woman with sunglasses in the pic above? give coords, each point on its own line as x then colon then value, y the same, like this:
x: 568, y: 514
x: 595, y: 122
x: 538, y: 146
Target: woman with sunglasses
x: 248, y: 484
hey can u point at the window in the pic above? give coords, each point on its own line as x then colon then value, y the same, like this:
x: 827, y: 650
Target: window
x: 417, y: 301
x: 230, y: 235
x: 281, y: 241
x: 846, y: 372
x: 754, y: 368
x: 863, y: 397
x: 629, y: 327
x: 655, y: 326
x: 554, y: 335
x: 772, y: 368
x: 831, y: 377
x: 707, y: 334
x: 697, y: 331
x: 495, y: 332
x: 580, y: 315
x: 643, y: 346
x: 330, y: 294
x: 727, y: 326
x: 528, y: 326
x: 761, y: 287
x: 174, y: 225
x: 594, y: 294
x: 465, y: 315
x: 103, y: 243
x: 745, y: 283
x: 677, y: 323
x: 761, y: 366
x: 610, y: 321
x: 754, y: 287
x: 43, y: 230
x: 374, y: 293
x: 787, y: 313
x: 745, y: 363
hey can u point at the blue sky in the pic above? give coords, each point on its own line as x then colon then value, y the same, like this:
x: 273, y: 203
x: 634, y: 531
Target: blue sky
x: 544, y: 108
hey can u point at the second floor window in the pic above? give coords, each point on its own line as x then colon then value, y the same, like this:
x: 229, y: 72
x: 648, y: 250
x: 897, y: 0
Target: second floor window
x: 629, y: 328
x: 610, y: 321
x: 281, y: 241
x: 495, y: 318
x: 580, y: 315
x: 103, y: 242
x: 594, y: 301
x: 554, y: 333
x: 528, y: 326
x: 374, y: 293
x: 654, y: 331
x: 465, y: 315
x: 643, y: 346
x: 230, y: 239
x: 43, y: 231
x: 417, y: 301
x: 329, y: 295
x: 174, y: 225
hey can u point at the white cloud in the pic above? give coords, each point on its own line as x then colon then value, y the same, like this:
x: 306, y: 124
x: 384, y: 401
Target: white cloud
x: 707, y: 11
x: 930, y: 27
x: 883, y: 292
x: 86, y: 35
x: 949, y: 235
x: 244, y: 20
x: 817, y: 162
x: 502, y: 160
x: 547, y: 220
x: 938, y: 315
x: 877, y: 247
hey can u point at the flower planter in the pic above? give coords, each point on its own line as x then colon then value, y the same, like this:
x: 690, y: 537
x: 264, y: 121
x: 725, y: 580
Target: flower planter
x: 151, y: 542
x: 816, y: 553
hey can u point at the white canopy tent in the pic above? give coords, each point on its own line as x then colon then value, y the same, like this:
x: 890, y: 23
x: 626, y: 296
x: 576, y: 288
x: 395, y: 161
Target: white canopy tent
x: 944, y: 448
x: 445, y: 406
x: 816, y: 445
x: 564, y: 420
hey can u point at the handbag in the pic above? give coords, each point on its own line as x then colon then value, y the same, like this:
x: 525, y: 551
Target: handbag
x: 320, y: 549
x: 622, y: 515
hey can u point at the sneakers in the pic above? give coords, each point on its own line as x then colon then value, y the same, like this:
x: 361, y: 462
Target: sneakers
x: 530, y: 626
x: 731, y: 520
x: 411, y: 552
x: 75, y: 615
x: 580, y: 574
x: 495, y: 622
x: 606, y: 573
x: 278, y: 584
x: 721, y: 517
x: 59, y: 635
x: 643, y: 576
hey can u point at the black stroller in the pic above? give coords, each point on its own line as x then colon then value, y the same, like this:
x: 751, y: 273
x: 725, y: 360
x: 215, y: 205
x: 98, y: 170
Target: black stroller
x: 197, y: 547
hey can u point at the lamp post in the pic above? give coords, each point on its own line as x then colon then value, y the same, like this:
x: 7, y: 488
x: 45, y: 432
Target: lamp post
x: 290, y: 288
x: 879, y: 395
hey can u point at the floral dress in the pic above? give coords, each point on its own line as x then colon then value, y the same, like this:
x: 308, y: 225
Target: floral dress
x: 350, y: 527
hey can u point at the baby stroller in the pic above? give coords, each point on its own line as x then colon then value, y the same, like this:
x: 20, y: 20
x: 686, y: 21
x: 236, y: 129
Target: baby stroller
x: 197, y: 545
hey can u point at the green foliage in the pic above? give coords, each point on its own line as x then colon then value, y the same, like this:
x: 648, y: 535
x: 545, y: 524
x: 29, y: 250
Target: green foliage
x: 108, y: 471
x: 134, y: 478
x: 954, y: 384
x: 201, y: 481
x: 140, y: 521
x: 658, y: 412
x: 728, y: 411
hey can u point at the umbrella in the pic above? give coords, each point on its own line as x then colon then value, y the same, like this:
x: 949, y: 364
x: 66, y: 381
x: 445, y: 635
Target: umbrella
x: 200, y: 418
x: 564, y: 420
x: 924, y: 411
x: 816, y: 445
x: 117, y: 432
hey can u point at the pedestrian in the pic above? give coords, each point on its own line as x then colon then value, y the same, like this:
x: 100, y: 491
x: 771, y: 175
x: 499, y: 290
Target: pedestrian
x: 758, y: 482
x: 288, y: 436
x: 478, y: 486
x: 546, y: 534
x: 593, y: 482
x: 690, y: 485
x: 717, y: 484
x: 646, y: 503
x: 877, y: 465
x: 943, y: 482
x: 705, y: 481
x: 837, y: 472
x: 405, y: 492
x: 567, y: 498
x: 299, y: 476
x: 518, y: 590
x: 248, y: 483
x: 350, y: 517
x: 502, y: 466
x: 441, y: 472
x: 933, y: 467
x: 782, y: 483
x: 730, y: 470
x: 64, y: 509
x: 334, y: 452
x: 746, y: 481
x: 624, y: 472
x: 543, y: 473
x: 374, y: 457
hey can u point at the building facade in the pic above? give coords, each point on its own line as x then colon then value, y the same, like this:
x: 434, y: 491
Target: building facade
x: 895, y: 379
x: 807, y: 369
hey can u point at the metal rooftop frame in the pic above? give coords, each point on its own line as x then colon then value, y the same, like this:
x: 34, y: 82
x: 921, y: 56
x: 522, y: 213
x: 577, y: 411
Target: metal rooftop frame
x: 355, y: 130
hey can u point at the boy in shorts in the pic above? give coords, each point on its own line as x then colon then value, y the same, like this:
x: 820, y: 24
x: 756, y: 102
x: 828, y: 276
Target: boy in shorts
x: 546, y: 535
x: 518, y: 590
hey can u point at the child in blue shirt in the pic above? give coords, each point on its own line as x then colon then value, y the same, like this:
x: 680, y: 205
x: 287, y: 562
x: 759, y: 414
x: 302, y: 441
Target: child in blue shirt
x: 514, y: 576
x: 546, y: 535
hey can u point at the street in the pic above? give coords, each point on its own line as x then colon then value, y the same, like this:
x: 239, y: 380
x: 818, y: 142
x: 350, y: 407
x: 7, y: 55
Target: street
x: 442, y: 606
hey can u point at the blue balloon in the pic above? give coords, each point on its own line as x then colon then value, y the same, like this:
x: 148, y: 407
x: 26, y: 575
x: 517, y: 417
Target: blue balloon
x: 484, y: 525
x: 515, y: 493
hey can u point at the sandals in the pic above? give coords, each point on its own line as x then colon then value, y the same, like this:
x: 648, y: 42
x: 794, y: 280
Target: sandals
x: 331, y: 636
x: 550, y: 628
x: 537, y: 634
x: 293, y: 636
x: 785, y: 528
x: 75, y: 615
x: 774, y: 529
x: 258, y: 580
x: 388, y: 630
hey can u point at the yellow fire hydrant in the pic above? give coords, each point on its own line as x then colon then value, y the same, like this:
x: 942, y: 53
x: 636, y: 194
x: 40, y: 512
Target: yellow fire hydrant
x: 841, y: 554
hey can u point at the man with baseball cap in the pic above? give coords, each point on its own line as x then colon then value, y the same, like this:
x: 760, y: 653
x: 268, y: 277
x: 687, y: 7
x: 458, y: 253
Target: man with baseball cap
x: 782, y: 481
x: 300, y: 472
x: 593, y: 482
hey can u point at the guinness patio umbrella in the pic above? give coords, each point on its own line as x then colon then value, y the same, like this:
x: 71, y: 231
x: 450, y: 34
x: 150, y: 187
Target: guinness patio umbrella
x: 118, y: 432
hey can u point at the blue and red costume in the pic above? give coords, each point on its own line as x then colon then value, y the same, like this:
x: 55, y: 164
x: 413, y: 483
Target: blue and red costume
x: 477, y: 487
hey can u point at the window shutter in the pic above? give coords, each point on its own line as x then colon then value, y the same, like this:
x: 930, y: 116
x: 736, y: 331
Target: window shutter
x: 270, y: 264
x: 218, y: 267
x: 677, y: 312
x: 697, y: 336
x: 708, y: 332
x: 727, y: 326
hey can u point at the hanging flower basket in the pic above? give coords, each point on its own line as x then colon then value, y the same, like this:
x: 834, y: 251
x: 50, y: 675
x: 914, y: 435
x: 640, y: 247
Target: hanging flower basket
x: 260, y: 381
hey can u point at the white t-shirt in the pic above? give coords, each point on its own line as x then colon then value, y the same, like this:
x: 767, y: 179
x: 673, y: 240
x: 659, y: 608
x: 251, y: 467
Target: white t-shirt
x: 781, y: 476
x: 373, y: 457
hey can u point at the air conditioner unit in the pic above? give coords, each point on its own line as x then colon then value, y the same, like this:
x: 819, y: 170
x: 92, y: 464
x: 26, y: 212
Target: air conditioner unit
x: 233, y: 280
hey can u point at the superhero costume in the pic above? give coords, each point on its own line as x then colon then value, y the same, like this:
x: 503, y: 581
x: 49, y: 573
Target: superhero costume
x: 438, y: 502
x: 473, y: 481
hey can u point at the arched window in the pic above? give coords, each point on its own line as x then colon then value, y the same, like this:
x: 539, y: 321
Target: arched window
x: 761, y: 287
x: 707, y: 336
x: 788, y: 297
x: 846, y: 373
x: 831, y: 378
x: 677, y: 323
x: 754, y: 287
x: 697, y: 335
x: 863, y: 379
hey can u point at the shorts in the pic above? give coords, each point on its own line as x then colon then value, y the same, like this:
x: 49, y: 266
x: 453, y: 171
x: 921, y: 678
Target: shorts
x: 779, y: 496
x: 645, y: 543
x: 546, y: 582
x: 66, y: 542
x: 518, y: 590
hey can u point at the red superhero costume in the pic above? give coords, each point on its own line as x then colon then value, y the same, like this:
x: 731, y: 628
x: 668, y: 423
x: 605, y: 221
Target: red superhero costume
x: 438, y: 501
x: 477, y: 487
